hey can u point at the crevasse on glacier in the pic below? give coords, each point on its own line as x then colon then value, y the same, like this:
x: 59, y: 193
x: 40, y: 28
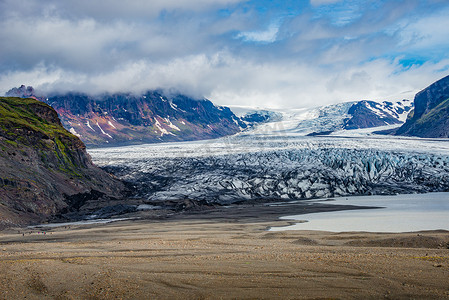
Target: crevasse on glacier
x: 293, y: 173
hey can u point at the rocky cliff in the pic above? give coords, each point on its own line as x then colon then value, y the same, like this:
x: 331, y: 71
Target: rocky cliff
x: 124, y: 118
x: 430, y: 118
x: 44, y: 169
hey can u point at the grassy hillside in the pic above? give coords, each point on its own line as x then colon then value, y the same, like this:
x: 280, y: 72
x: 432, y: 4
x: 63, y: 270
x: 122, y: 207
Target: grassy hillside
x: 43, y: 167
x: 31, y: 123
x: 17, y: 116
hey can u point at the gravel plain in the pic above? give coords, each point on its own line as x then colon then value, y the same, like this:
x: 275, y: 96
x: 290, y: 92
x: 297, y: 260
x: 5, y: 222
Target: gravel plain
x: 193, y: 256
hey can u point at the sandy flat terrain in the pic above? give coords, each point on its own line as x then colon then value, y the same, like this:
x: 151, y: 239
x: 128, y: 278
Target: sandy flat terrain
x: 194, y: 258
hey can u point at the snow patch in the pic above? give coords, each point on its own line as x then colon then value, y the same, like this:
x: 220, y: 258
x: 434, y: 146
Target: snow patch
x: 110, y: 124
x: 377, y: 111
x: 88, y: 125
x: 73, y: 131
x: 171, y: 125
x: 161, y: 129
x: 172, y: 105
x: 102, y: 131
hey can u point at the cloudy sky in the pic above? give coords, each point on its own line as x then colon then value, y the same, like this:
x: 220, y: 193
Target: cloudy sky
x: 279, y: 53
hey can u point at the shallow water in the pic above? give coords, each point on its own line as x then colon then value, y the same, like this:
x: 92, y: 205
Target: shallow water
x: 401, y: 213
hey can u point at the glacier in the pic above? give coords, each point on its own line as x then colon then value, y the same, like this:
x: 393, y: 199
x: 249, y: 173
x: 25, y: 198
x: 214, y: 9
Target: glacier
x: 267, y: 164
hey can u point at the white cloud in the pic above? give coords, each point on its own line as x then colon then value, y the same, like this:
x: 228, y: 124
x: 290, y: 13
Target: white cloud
x: 227, y: 79
x: 293, y: 61
x: 427, y: 33
x: 109, y: 9
x: 266, y: 36
x: 42, y: 77
x: 305, y: 85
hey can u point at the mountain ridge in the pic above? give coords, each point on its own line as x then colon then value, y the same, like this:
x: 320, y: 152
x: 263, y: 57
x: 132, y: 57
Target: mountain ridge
x: 125, y: 118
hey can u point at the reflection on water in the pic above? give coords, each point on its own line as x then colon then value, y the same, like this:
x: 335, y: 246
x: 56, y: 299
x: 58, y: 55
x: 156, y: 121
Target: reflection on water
x: 401, y: 213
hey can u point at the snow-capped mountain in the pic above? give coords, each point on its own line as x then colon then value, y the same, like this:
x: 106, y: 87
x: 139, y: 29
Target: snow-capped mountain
x: 367, y: 114
x: 123, y: 118
x: 327, y: 119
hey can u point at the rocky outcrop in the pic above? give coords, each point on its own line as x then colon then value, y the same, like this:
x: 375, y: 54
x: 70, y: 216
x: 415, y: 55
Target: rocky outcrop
x: 22, y: 92
x: 44, y: 169
x: 367, y: 114
x: 257, y: 117
x: 430, y: 117
x: 125, y: 118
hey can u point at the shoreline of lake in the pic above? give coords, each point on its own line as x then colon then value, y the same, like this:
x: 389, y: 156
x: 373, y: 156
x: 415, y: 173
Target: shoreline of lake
x: 400, y: 213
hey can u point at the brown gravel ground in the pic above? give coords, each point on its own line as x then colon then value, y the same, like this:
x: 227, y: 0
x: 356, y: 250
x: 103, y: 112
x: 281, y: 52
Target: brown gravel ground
x: 192, y: 258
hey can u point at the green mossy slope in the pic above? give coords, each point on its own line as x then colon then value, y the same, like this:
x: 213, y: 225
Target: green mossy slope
x: 42, y: 165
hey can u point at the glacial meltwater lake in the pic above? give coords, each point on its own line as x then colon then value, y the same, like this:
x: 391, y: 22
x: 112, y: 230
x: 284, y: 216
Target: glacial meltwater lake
x: 400, y: 213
